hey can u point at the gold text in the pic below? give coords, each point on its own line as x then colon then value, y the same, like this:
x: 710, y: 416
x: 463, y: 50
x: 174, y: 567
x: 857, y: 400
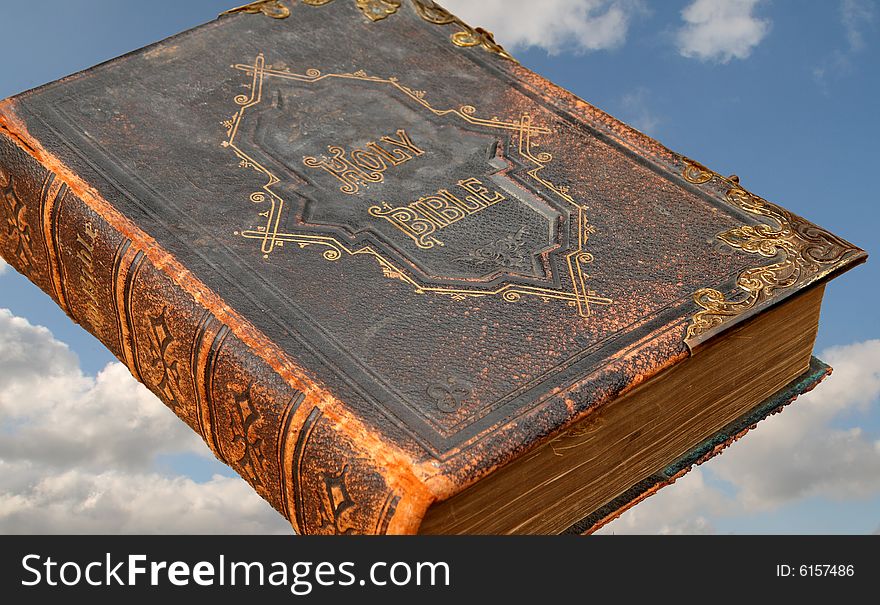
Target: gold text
x: 421, y: 219
x: 368, y: 164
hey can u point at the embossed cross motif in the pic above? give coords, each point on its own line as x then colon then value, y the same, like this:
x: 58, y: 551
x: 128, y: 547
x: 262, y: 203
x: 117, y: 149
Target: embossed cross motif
x: 245, y: 419
x: 160, y: 343
x: 336, y: 501
x: 17, y: 226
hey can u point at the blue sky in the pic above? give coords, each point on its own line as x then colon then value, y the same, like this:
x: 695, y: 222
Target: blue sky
x: 781, y: 92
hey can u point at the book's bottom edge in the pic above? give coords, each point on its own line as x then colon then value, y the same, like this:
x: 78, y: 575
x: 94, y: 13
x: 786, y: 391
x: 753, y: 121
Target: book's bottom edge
x: 709, y: 448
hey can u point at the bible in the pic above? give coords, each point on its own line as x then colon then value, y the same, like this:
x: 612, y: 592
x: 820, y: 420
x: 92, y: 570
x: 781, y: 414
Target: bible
x: 400, y: 283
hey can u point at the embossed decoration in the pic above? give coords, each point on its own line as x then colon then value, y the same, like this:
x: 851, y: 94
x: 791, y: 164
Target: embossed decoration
x: 17, y: 227
x: 335, y: 501
x: 271, y: 8
x: 245, y: 421
x: 806, y: 253
x: 160, y: 343
x: 574, y: 290
x: 507, y: 251
x: 332, y: 495
x: 450, y: 394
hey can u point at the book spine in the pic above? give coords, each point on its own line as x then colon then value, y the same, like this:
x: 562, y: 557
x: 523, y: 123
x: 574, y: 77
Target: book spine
x: 284, y: 435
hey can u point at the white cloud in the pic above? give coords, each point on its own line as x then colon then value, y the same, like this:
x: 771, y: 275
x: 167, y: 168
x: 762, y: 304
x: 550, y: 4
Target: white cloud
x: 554, y: 25
x: 800, y: 453
x: 791, y: 456
x: 78, y: 453
x: 685, y: 507
x: 114, y: 502
x: 3, y: 266
x: 721, y: 30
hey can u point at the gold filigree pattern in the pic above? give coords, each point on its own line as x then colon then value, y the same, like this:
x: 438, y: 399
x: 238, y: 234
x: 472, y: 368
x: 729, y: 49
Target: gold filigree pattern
x: 376, y: 10
x: 804, y: 251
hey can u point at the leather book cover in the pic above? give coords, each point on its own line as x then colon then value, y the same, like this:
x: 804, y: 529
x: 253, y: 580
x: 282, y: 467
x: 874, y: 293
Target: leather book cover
x: 369, y: 257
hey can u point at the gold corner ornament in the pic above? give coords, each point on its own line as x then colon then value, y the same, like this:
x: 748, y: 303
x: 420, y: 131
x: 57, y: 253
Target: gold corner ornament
x: 377, y: 10
x: 468, y: 36
x: 807, y: 253
x: 271, y: 8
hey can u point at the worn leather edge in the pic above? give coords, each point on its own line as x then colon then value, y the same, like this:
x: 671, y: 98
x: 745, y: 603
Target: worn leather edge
x: 413, y: 486
x: 704, y: 451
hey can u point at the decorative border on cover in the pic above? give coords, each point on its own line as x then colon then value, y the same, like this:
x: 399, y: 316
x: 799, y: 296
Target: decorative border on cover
x: 579, y: 295
x: 806, y: 253
x: 376, y: 10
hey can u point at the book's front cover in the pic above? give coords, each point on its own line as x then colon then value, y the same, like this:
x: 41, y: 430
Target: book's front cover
x: 401, y: 223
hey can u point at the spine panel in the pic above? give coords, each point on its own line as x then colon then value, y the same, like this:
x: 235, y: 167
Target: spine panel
x: 294, y: 455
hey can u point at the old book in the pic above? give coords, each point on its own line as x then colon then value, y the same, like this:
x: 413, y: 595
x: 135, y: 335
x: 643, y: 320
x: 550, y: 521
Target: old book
x: 400, y: 283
